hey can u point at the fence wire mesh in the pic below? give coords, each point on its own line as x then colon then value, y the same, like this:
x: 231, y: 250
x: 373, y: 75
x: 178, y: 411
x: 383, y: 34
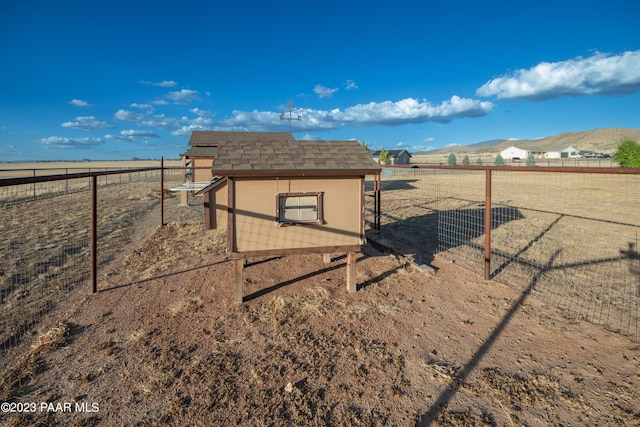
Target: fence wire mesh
x: 569, y: 238
x: 45, y: 245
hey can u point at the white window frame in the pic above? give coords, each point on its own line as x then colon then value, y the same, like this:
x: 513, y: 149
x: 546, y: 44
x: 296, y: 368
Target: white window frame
x: 299, y: 208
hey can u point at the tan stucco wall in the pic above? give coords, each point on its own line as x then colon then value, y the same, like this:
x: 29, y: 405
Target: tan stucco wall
x: 202, y: 175
x: 256, y: 227
x: 220, y: 205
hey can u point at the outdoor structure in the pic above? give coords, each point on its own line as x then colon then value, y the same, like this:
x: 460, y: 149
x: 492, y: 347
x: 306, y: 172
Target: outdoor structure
x: 276, y: 197
x: 523, y: 152
x: 197, y: 160
x: 396, y: 157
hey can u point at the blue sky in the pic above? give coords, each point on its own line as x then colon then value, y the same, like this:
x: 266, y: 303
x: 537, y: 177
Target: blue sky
x: 116, y: 80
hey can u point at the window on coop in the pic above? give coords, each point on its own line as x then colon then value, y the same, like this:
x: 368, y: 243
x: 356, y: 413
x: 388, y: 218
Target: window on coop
x: 299, y: 208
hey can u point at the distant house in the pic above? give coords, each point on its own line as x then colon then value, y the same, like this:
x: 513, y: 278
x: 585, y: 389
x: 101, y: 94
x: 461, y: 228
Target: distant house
x: 276, y: 197
x: 396, y: 157
x: 514, y: 152
x: 523, y: 152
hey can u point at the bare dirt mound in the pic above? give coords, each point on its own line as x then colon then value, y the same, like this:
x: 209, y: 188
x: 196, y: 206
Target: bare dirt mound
x: 165, y: 346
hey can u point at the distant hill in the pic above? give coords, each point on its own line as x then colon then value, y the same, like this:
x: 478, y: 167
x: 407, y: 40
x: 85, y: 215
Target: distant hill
x: 603, y: 140
x: 486, y: 143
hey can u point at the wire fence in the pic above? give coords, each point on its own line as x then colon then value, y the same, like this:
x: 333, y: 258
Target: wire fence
x: 46, y: 245
x: 569, y: 236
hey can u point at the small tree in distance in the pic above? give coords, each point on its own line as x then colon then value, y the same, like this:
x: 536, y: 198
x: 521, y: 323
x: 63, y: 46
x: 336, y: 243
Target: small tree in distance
x: 451, y: 160
x: 384, y: 156
x: 478, y: 161
x: 531, y: 161
x: 465, y: 161
x: 499, y: 160
x: 628, y: 154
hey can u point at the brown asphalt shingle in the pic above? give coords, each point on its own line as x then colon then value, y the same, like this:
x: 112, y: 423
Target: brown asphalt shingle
x: 253, y: 152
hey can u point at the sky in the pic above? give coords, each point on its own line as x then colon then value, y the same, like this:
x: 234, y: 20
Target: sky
x: 114, y: 80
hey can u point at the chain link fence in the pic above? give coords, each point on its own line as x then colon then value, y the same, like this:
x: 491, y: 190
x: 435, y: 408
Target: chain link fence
x: 569, y: 236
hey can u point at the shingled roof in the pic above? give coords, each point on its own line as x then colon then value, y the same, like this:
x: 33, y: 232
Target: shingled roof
x: 271, y: 154
x: 204, y: 143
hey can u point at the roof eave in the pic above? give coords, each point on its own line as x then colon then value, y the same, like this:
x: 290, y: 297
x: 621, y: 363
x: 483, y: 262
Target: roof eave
x: 296, y: 173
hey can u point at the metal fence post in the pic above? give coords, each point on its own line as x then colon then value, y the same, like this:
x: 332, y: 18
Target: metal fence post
x: 161, y: 191
x: 94, y: 233
x: 487, y: 226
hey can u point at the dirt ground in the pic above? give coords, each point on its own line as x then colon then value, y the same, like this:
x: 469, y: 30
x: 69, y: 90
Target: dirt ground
x: 165, y: 346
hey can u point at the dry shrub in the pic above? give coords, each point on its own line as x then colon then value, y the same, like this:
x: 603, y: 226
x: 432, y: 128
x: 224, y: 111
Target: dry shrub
x: 23, y: 373
x: 186, y: 306
x: 52, y: 339
x: 139, y: 337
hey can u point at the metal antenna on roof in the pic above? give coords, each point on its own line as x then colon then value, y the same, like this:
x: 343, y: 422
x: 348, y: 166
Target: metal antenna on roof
x: 290, y: 118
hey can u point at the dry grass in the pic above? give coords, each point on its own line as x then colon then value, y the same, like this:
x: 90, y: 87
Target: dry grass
x: 171, y: 245
x: 24, y: 371
x: 186, y: 306
x: 137, y: 337
x: 52, y: 339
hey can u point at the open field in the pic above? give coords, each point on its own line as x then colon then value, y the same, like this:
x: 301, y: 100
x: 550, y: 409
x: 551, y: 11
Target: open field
x: 25, y: 169
x: 161, y: 343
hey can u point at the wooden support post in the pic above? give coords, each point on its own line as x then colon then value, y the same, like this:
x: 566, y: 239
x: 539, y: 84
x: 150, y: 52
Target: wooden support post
x: 351, y: 272
x: 238, y: 267
x: 326, y: 258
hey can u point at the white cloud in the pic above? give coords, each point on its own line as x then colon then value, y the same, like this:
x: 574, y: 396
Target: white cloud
x: 164, y: 83
x: 86, y: 123
x: 63, y: 142
x: 410, y: 110
x: 323, y: 91
x: 200, y: 112
x: 139, y: 133
x: 600, y: 74
x: 132, y: 135
x: 184, y: 96
x: 80, y: 103
x: 162, y: 122
x: 200, y: 123
x: 350, y: 85
x: 128, y: 116
x: 386, y: 113
x: 142, y: 106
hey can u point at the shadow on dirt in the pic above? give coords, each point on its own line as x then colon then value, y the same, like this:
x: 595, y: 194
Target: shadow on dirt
x: 338, y: 262
x: 438, y: 408
x: 421, y: 236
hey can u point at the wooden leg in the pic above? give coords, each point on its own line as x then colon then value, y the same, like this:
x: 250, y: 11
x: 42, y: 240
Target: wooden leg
x: 238, y: 267
x: 351, y: 272
x: 326, y: 258
x: 183, y: 198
